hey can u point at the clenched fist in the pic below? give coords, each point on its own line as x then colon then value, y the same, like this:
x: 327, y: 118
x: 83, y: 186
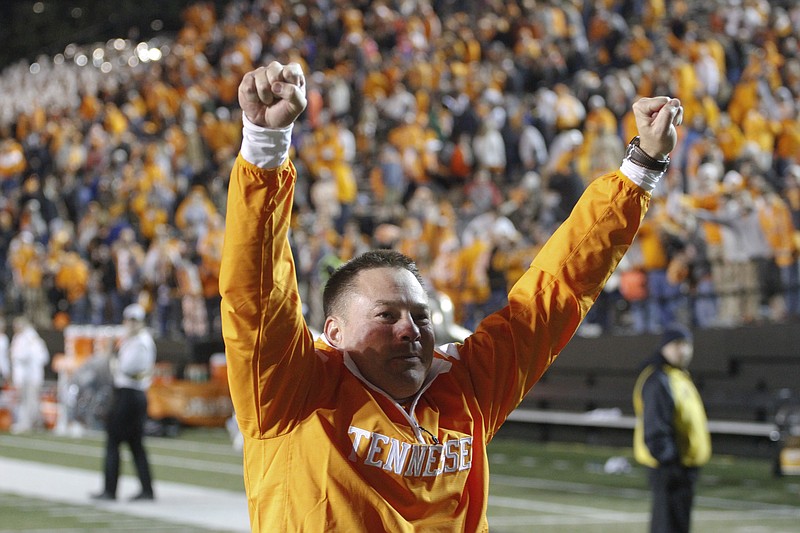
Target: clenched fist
x: 656, y: 119
x: 273, y: 96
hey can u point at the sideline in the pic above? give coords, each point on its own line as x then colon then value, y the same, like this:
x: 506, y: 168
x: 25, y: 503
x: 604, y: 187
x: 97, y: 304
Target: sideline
x: 87, y: 450
x: 176, y: 503
x: 611, y: 418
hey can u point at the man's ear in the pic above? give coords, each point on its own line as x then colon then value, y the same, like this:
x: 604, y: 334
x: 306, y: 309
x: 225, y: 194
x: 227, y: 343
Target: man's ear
x: 333, y: 331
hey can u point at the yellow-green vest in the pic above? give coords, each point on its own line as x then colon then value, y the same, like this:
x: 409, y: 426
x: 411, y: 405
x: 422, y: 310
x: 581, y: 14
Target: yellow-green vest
x: 689, y: 422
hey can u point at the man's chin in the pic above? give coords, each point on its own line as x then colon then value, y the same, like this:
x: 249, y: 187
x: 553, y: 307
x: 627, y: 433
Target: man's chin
x: 412, y: 367
x: 407, y: 382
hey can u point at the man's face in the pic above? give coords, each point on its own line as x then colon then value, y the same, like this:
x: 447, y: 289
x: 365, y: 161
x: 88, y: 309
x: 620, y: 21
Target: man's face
x: 385, y: 326
x: 131, y: 327
x: 679, y: 353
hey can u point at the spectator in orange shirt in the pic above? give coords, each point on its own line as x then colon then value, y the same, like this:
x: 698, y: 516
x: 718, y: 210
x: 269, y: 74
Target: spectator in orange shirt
x: 27, y: 260
x: 12, y: 164
x: 72, y: 278
x: 658, y: 241
x: 743, y: 246
x: 780, y: 273
x: 209, y: 248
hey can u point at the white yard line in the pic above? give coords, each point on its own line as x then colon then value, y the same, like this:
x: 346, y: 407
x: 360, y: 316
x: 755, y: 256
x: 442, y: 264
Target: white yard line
x: 86, y: 450
x: 568, y: 512
x: 176, y: 503
x: 546, y: 513
x: 640, y: 494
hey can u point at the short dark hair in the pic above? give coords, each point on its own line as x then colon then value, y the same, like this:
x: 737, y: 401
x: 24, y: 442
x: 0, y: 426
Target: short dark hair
x: 343, y: 278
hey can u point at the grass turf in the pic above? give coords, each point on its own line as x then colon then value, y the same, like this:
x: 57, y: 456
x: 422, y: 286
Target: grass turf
x: 548, y: 487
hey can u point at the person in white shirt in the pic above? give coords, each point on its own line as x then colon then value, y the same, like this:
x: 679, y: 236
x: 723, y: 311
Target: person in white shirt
x: 132, y: 371
x: 5, y: 362
x: 29, y: 357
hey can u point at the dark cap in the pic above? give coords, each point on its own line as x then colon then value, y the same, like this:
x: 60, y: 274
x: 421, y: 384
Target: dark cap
x: 674, y: 332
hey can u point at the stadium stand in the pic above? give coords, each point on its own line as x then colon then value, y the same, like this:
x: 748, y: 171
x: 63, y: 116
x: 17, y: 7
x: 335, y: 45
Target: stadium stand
x: 458, y: 132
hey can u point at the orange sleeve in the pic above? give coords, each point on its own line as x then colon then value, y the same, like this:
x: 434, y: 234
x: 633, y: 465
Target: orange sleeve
x: 268, y: 345
x: 511, y: 349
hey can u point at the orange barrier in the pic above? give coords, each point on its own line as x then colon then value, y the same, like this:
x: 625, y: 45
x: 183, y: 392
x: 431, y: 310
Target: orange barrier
x: 191, y: 403
x: 6, y: 411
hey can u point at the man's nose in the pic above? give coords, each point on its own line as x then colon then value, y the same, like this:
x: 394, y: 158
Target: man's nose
x: 407, y: 329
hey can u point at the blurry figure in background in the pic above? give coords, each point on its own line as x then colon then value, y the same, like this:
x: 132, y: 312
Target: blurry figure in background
x: 72, y: 280
x: 387, y: 178
x: 209, y: 249
x: 707, y: 267
x: 505, y: 244
x: 194, y: 214
x: 27, y: 258
x: 5, y: 363
x: 101, y: 284
x: 12, y: 164
x: 671, y: 436
x: 532, y: 146
x: 657, y: 239
x: 128, y: 257
x: 194, y: 318
x: 779, y: 273
x: 603, y: 147
x: 29, y: 356
x: 7, y: 234
x: 132, y: 371
x: 482, y: 193
x: 159, y: 271
x: 743, y: 245
x: 91, y: 389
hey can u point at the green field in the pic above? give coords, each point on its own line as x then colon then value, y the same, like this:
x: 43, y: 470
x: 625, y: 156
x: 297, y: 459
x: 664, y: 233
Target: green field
x: 534, y: 487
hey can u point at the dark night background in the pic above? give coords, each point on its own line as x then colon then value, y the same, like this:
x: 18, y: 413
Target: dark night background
x: 29, y: 28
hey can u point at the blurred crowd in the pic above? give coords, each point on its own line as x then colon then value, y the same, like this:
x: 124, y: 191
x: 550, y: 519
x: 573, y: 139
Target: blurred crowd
x: 460, y: 133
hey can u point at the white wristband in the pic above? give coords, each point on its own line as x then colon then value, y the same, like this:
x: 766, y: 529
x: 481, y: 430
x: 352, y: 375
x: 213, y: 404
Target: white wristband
x: 265, y: 147
x: 643, y: 177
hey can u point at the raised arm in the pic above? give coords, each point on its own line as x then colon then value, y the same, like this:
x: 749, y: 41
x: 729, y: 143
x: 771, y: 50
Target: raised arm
x: 548, y: 303
x: 262, y: 321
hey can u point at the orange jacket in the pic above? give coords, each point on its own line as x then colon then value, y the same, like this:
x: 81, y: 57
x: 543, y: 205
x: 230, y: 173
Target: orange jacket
x: 776, y: 223
x: 326, y: 451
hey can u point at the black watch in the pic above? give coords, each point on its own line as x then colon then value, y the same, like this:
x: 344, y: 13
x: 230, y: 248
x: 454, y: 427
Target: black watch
x: 637, y: 156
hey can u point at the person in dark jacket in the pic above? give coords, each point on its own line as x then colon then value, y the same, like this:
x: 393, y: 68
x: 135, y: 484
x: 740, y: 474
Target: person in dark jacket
x: 671, y: 436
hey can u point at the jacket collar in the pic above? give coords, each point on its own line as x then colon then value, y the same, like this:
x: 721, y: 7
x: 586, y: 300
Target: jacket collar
x: 439, y: 365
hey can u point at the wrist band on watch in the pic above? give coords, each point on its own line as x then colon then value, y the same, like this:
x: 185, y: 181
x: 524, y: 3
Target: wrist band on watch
x: 636, y: 155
